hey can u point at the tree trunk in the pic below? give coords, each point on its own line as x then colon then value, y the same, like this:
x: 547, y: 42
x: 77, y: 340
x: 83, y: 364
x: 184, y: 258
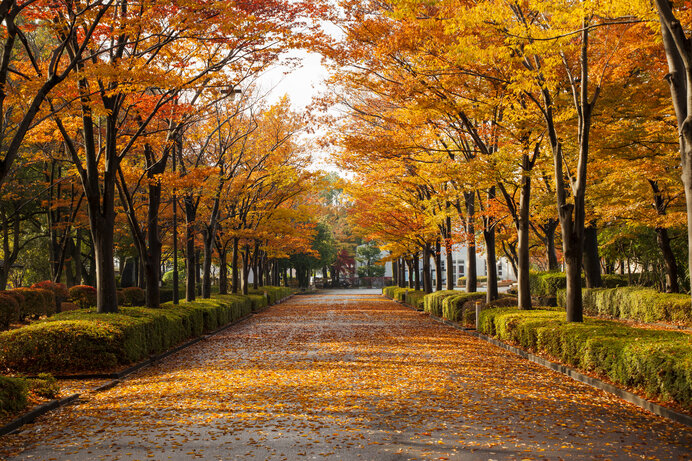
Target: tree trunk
x: 409, y: 265
x: 523, y: 260
x: 449, y: 257
x: 395, y: 272
x: 102, y: 238
x: 223, y: 271
x: 438, y: 266
x: 190, y: 273
x: 427, y: 279
x: 491, y: 262
x: 206, y: 267
x: 235, y: 273
x: 416, y: 270
x: 471, y: 266
x: 246, y: 269
x: 550, y: 228
x: 255, y: 267
x: 591, y: 260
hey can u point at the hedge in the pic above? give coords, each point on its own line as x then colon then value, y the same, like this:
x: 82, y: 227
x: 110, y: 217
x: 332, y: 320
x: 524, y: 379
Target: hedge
x: 461, y: 307
x: 657, y: 362
x: 86, y: 341
x: 274, y: 294
x: 635, y: 303
x: 133, y: 296
x: 37, y: 302
x: 9, y: 310
x: 549, y: 283
x: 83, y: 296
x: 415, y: 298
x: 461, y: 281
x: 13, y: 394
x: 432, y: 303
x: 396, y: 293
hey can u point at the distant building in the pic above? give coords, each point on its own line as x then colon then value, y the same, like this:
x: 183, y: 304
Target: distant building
x: 504, y: 267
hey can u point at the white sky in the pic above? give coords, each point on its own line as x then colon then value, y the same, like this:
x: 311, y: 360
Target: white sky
x: 301, y: 83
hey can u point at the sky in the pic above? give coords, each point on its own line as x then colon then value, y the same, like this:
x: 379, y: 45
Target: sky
x: 301, y: 83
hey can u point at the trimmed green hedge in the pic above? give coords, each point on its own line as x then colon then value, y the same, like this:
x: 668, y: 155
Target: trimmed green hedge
x: 432, y: 303
x: 415, y: 298
x: 395, y: 293
x: 85, y: 340
x: 461, y: 281
x: 635, y: 303
x: 461, y: 307
x: 549, y: 283
x: 657, y: 362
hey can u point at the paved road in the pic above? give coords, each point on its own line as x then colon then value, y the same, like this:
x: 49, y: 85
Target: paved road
x: 348, y: 375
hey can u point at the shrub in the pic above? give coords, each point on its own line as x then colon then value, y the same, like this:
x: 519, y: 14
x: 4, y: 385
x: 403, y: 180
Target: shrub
x: 13, y: 393
x: 9, y: 310
x: 85, y: 340
x: 37, y: 302
x: 635, y: 303
x: 547, y: 284
x: 415, y: 298
x: 50, y: 302
x: 461, y: 307
x: 83, y: 296
x: 44, y: 385
x: 58, y: 289
x: 505, y: 301
x: 432, y: 303
x: 657, y: 362
x: 258, y: 301
x: 461, y: 281
x: 614, y: 280
x: 133, y: 296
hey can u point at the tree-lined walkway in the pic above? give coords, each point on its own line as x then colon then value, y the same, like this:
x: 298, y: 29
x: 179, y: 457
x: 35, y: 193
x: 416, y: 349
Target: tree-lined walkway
x: 348, y: 376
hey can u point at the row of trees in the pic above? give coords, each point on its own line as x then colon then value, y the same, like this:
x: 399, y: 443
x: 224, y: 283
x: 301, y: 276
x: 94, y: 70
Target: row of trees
x: 510, y: 120
x: 125, y: 118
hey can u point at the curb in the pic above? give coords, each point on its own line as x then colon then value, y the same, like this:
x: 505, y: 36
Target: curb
x: 35, y: 413
x: 627, y: 396
x: 117, y: 378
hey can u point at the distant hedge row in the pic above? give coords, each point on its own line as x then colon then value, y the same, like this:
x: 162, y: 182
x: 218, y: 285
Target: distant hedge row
x: 84, y: 340
x: 549, y: 283
x: 654, y: 361
x: 635, y: 303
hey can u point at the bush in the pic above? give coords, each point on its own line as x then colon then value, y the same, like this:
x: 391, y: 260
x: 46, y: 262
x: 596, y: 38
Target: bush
x: 258, y: 301
x: 614, y: 280
x: 9, y: 310
x: 461, y: 281
x: 396, y: 293
x: 461, y: 307
x: 432, y: 303
x: 37, y: 302
x: 415, y: 298
x: 657, y: 362
x: 44, y: 385
x: 58, y: 289
x: 13, y: 393
x: 133, y: 296
x: 635, y: 303
x: 83, y: 296
x: 85, y: 340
